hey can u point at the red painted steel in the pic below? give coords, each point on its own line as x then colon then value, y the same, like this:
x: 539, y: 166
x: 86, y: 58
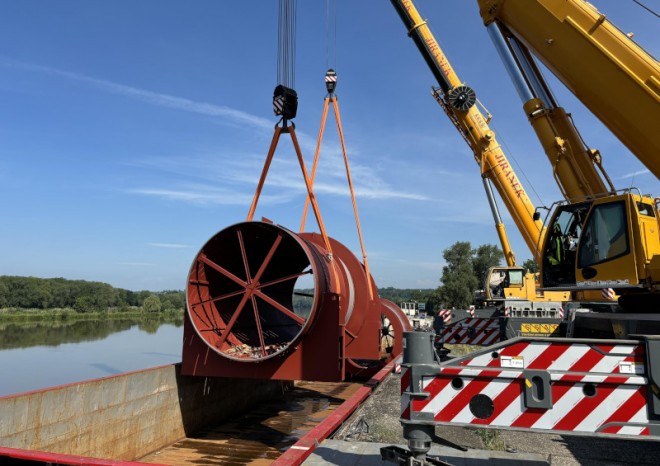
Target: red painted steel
x: 243, y: 320
x: 305, y: 446
x: 394, y: 323
x: 56, y: 458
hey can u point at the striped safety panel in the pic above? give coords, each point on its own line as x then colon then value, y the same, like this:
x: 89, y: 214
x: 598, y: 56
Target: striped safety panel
x: 405, y: 390
x: 446, y: 315
x: 471, y: 331
x: 278, y: 105
x: 608, y: 293
x: 563, y: 386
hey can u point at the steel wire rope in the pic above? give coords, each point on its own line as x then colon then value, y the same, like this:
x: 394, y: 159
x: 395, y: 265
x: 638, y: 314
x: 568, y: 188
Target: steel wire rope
x: 331, y: 17
x: 286, y: 43
x: 647, y: 8
x: 503, y: 142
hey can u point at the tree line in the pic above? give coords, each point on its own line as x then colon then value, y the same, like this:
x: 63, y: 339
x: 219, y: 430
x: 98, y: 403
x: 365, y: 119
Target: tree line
x: 464, y: 272
x: 81, y: 295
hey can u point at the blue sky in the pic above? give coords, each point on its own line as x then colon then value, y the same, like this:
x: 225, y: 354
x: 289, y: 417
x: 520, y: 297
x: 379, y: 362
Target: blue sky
x: 133, y: 131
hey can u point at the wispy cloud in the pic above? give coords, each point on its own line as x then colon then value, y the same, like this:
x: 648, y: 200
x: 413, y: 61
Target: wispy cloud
x: 154, y: 98
x: 138, y: 264
x: 237, y: 172
x: 170, y: 245
x: 633, y: 174
x: 203, y: 195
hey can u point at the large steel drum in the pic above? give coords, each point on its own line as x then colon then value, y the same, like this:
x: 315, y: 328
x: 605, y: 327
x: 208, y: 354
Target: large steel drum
x: 244, y: 304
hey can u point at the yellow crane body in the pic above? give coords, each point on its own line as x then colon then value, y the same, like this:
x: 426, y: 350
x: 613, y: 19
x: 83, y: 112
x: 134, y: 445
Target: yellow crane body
x: 613, y: 76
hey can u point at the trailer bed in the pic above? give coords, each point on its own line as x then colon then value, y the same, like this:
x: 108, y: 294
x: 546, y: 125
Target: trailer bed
x: 261, y: 435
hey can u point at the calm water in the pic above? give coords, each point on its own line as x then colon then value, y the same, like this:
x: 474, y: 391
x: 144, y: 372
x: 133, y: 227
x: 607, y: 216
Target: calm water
x: 37, y: 356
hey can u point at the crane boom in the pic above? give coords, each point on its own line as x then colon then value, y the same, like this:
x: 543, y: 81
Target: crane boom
x: 613, y: 76
x: 458, y: 102
x: 575, y: 167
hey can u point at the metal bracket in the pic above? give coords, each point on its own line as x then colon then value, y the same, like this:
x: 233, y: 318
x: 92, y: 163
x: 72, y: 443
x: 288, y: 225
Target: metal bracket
x: 538, y: 393
x: 404, y: 457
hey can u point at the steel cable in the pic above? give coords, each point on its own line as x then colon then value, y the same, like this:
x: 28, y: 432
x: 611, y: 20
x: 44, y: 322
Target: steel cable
x: 286, y: 43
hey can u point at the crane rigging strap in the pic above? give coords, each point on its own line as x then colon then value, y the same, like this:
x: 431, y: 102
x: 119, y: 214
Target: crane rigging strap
x: 330, y: 81
x: 285, y: 102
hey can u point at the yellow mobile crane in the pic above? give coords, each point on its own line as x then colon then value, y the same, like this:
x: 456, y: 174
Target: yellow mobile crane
x: 605, y: 239
x: 458, y: 101
x: 607, y: 383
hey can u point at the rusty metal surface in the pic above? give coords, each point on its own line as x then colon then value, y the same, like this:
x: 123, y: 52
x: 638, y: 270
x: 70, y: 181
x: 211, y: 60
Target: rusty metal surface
x: 241, y: 308
x: 394, y: 323
x: 261, y: 435
x: 240, y: 290
x: 124, y: 416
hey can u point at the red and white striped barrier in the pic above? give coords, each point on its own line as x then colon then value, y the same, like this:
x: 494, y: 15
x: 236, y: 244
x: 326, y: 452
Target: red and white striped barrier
x: 471, y: 311
x: 593, y: 388
x: 507, y: 311
x: 608, y: 293
x: 446, y: 315
x: 469, y: 331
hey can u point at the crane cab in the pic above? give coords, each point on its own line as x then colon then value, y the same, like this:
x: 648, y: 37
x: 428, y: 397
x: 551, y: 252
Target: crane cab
x: 608, y: 242
x: 513, y: 283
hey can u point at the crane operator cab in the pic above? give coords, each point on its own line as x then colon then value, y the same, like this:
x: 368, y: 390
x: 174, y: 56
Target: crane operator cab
x: 504, y: 282
x: 560, y: 247
x: 608, y: 242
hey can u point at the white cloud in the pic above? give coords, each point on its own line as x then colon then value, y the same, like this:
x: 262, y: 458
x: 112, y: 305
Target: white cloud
x: 634, y: 174
x: 204, y: 195
x: 138, y: 264
x: 170, y: 245
x: 331, y: 175
x: 154, y: 98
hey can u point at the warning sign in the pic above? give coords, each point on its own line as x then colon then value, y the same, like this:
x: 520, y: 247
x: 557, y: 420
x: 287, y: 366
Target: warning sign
x: 516, y: 362
x: 538, y: 330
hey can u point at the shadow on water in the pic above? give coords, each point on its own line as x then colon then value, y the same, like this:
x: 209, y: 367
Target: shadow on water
x: 106, y: 368
x: 26, y: 335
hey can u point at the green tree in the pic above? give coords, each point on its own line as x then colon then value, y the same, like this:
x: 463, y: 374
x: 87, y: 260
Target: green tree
x: 530, y: 265
x: 458, y: 278
x: 172, y: 300
x: 483, y: 258
x: 4, y: 294
x: 84, y: 304
x: 142, y: 295
x: 152, y: 304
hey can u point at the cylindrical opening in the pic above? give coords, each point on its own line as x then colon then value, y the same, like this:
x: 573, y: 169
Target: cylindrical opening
x: 240, y: 294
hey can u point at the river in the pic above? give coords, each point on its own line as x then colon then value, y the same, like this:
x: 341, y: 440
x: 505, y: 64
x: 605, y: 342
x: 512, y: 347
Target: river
x: 40, y: 355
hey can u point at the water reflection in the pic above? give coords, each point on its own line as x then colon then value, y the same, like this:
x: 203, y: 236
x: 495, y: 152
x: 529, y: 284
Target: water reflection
x: 41, y: 355
x: 28, y: 334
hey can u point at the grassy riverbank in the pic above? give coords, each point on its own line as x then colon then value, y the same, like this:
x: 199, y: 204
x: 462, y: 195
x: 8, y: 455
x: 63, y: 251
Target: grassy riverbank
x: 68, y: 314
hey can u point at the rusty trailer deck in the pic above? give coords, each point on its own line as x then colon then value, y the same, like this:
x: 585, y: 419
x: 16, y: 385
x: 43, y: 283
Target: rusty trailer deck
x: 261, y: 435
x: 158, y: 416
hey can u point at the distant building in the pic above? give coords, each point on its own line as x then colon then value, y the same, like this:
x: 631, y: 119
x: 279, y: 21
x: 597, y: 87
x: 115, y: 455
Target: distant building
x: 411, y: 308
